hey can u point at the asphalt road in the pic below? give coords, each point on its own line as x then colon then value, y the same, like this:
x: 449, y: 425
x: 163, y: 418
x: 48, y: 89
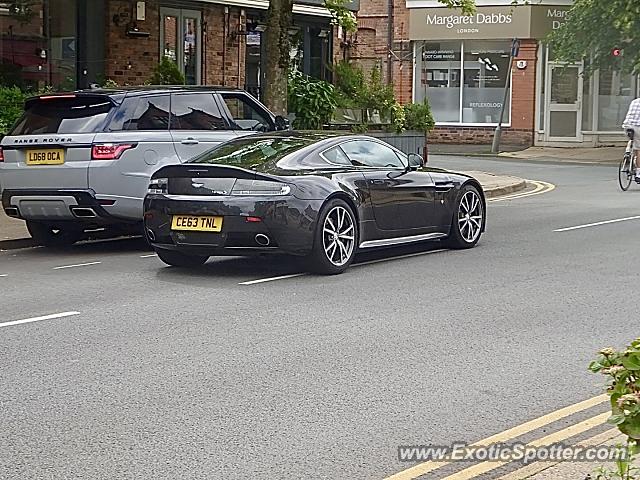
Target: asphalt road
x: 171, y: 374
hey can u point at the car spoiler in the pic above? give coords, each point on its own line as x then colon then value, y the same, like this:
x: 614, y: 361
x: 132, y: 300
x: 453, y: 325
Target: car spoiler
x: 202, y: 170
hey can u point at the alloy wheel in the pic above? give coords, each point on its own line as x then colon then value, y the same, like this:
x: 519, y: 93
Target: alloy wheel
x: 338, y: 235
x: 470, y: 213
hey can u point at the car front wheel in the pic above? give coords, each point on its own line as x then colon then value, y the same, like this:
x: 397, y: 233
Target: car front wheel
x: 468, y: 219
x: 336, y: 238
x: 54, y: 236
x: 178, y: 259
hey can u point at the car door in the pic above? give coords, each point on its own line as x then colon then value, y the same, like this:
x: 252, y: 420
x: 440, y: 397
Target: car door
x: 402, y: 200
x: 197, y: 124
x: 246, y: 115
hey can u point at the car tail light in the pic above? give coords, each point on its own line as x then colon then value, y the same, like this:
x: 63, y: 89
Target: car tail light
x: 1, y: 155
x: 109, y: 151
x: 253, y: 219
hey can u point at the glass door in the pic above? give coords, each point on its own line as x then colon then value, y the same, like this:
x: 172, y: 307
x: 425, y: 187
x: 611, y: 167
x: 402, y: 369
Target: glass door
x: 563, y: 112
x: 180, y: 41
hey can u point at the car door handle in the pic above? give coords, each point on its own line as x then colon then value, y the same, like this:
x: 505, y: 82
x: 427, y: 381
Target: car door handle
x: 376, y: 182
x: 190, y: 141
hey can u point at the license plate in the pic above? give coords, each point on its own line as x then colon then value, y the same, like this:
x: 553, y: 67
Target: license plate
x: 196, y: 223
x: 45, y: 157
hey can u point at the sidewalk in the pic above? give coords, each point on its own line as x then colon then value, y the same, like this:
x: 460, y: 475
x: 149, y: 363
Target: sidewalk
x: 591, y: 155
x: 14, y: 234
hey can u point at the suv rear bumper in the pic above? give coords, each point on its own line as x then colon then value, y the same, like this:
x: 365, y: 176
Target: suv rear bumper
x: 56, y: 205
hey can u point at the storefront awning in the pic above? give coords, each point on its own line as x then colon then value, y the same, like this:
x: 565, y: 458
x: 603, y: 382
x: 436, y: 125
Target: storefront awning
x: 264, y: 4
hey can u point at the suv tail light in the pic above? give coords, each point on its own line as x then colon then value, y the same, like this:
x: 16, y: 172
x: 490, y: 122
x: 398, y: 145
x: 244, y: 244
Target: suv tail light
x: 1, y: 155
x: 109, y: 151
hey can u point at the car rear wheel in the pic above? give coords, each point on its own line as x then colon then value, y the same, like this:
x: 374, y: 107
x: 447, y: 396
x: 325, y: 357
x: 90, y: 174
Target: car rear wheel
x: 468, y: 219
x: 336, y: 239
x: 54, y: 236
x: 179, y: 259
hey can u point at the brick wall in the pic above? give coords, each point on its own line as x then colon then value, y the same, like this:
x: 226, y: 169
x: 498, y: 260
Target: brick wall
x: 142, y: 53
x: 221, y: 64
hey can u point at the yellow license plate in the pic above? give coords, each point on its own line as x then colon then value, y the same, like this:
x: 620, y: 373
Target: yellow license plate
x: 45, y: 157
x: 196, y: 223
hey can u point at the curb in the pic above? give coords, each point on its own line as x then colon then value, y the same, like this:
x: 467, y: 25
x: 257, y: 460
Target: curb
x: 17, y: 243
x: 507, y: 189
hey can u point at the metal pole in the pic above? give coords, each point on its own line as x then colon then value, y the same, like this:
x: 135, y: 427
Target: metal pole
x: 495, y: 147
x: 390, y: 42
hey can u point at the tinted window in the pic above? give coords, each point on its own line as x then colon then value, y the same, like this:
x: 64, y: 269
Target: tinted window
x: 252, y: 152
x: 142, y: 113
x: 371, y: 154
x: 246, y: 114
x: 336, y: 155
x: 63, y: 115
x: 196, y: 111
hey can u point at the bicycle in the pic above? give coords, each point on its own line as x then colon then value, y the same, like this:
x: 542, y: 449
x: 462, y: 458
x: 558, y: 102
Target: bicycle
x: 626, y: 172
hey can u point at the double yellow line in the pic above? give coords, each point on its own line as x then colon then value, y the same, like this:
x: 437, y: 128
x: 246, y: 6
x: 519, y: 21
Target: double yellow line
x: 510, y: 434
x: 539, y: 187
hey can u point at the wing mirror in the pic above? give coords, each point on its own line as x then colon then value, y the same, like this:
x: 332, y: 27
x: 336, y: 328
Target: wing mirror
x: 415, y: 161
x: 281, y: 123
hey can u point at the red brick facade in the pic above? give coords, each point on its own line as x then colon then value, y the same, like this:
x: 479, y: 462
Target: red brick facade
x: 131, y: 60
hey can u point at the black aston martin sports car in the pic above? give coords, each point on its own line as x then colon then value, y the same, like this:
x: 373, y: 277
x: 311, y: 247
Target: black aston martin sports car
x: 323, y: 196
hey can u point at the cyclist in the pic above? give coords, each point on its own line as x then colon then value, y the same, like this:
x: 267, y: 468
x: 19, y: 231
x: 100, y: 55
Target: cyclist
x: 632, y: 122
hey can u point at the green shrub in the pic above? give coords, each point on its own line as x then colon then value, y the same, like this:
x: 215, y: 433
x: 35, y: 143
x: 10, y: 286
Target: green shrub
x: 167, y: 73
x: 312, y: 101
x: 623, y: 371
x: 11, y: 107
x: 418, y: 116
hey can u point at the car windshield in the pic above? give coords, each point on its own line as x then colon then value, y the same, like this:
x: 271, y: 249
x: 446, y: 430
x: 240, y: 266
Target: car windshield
x: 252, y: 152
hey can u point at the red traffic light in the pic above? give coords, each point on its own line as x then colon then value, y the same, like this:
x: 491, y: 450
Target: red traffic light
x: 616, y: 52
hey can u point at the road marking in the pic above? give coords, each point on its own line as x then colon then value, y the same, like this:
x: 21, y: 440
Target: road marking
x: 426, y: 467
x: 77, y: 265
x: 38, y: 319
x: 537, y: 467
x: 565, y: 433
x: 4, y: 275
x: 370, y: 262
x: 540, y: 187
x: 149, y: 256
x: 605, y: 222
x: 272, y: 279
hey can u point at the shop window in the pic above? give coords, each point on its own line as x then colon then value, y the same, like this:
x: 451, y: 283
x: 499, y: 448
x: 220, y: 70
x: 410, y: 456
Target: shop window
x: 615, y: 93
x: 486, y: 65
x: 440, y: 79
x: 464, y: 83
x: 38, y: 44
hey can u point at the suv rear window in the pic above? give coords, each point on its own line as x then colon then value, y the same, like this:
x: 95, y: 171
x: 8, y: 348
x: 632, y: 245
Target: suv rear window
x: 85, y: 114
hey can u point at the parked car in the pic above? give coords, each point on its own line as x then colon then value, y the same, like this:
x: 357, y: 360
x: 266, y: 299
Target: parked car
x: 317, y: 195
x: 83, y: 160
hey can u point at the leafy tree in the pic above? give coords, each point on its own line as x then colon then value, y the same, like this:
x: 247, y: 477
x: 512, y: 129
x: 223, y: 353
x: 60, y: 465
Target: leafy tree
x: 277, y: 43
x: 595, y: 28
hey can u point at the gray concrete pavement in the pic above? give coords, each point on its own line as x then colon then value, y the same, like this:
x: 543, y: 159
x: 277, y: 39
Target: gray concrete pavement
x: 167, y: 373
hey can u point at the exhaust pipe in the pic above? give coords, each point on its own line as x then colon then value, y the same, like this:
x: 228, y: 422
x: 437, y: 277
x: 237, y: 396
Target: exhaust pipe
x: 84, y: 212
x: 151, y: 235
x: 262, y: 240
x: 12, y: 212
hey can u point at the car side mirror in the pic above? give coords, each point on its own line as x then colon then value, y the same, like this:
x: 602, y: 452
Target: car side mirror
x: 281, y: 123
x: 415, y: 161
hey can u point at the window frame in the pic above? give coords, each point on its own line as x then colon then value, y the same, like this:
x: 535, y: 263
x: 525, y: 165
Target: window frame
x: 255, y: 104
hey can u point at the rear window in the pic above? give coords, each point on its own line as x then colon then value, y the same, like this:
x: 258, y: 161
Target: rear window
x: 63, y: 115
x: 252, y: 152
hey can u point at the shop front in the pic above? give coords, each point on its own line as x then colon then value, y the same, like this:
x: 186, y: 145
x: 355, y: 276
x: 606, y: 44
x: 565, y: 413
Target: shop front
x: 68, y: 44
x: 461, y: 67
